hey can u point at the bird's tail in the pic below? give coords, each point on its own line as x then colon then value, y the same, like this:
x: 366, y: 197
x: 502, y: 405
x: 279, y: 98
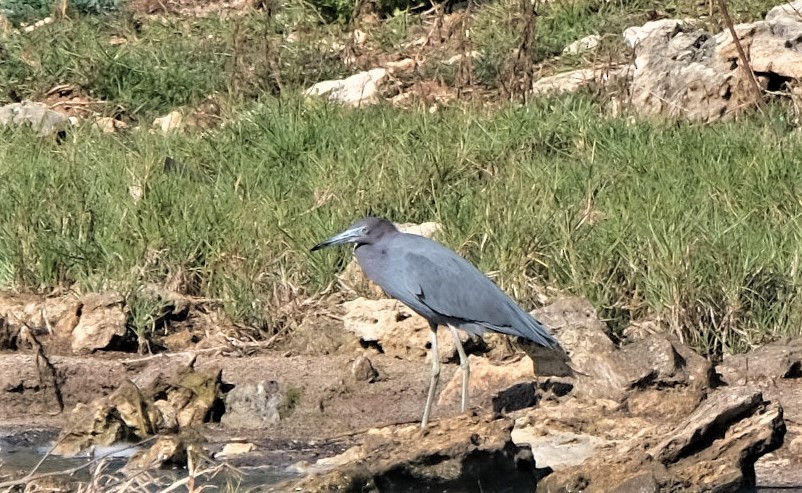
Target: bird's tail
x: 540, y: 334
x: 543, y: 337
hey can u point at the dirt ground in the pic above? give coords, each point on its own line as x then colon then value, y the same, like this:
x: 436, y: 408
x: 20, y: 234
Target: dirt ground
x: 331, y: 403
x: 330, y: 410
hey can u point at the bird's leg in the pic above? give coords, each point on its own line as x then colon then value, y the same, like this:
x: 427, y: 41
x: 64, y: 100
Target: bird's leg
x: 435, y: 377
x: 464, y: 364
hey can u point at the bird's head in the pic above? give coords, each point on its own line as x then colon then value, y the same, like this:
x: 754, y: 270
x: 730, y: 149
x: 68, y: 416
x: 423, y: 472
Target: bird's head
x: 363, y: 232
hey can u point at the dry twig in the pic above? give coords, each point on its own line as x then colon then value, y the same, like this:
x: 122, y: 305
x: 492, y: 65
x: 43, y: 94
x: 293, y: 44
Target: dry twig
x: 745, y: 65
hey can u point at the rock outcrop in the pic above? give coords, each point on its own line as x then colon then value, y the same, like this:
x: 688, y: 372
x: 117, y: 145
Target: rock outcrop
x: 98, y: 319
x: 394, y: 329
x: 714, y: 448
x: 36, y: 115
x: 682, y: 71
x: 650, y: 372
x: 461, y: 450
x: 253, y: 405
x: 89, y: 322
x: 170, y: 402
x: 577, y: 446
x: 781, y: 359
x: 646, y: 416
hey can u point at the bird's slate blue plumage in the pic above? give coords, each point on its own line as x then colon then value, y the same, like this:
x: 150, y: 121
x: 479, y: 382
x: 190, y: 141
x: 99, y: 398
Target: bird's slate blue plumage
x: 439, y: 285
x: 436, y: 282
x: 444, y: 288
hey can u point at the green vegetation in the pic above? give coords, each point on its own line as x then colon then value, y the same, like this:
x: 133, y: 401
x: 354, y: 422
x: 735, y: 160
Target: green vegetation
x: 150, y: 69
x: 343, y: 10
x: 291, y: 400
x: 28, y: 11
x: 698, y: 225
x: 695, y: 225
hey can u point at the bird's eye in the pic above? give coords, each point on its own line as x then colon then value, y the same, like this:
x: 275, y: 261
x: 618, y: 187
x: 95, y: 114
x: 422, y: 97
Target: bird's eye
x: 364, y: 230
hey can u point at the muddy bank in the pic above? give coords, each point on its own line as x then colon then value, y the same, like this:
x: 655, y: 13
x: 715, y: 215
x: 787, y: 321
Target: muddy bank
x: 340, y: 406
x: 329, y: 402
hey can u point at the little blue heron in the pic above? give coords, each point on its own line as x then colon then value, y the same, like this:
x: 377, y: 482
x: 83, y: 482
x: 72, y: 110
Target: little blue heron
x: 441, y: 286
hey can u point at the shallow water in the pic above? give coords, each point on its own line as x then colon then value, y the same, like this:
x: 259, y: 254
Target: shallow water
x: 21, y: 451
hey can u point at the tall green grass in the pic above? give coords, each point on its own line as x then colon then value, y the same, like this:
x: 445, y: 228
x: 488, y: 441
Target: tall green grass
x: 29, y: 11
x: 698, y: 225
x: 143, y: 70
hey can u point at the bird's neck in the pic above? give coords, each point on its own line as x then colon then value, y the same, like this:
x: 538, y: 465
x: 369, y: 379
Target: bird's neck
x: 372, y: 259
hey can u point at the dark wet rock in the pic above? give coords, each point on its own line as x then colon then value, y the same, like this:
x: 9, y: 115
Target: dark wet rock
x: 253, y: 405
x: 451, y: 451
x: 9, y: 335
x: 519, y: 396
x: 363, y: 371
x: 176, y: 401
x: 773, y: 361
x: 167, y: 451
x: 94, y: 424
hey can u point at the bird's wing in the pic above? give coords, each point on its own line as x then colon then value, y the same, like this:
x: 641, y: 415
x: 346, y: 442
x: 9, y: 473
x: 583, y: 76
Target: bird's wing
x: 451, y: 286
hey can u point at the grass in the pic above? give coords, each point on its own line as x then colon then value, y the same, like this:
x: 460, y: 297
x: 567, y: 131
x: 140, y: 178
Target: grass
x: 29, y: 11
x: 686, y: 223
x: 683, y: 222
x: 148, y: 69
x: 290, y: 402
x: 496, y: 27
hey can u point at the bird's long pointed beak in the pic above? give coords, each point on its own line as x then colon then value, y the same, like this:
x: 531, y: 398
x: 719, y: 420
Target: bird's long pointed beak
x: 347, y: 236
